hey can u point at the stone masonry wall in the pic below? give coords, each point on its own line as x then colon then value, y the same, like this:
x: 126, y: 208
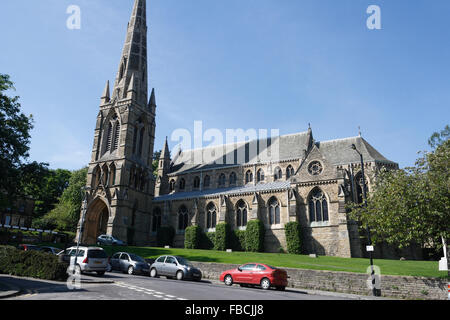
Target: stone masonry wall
x: 399, y: 287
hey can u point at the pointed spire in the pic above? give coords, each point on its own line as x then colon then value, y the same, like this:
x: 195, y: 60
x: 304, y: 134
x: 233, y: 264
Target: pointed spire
x: 106, y: 95
x: 131, y: 92
x: 152, y: 102
x: 133, y: 62
x: 310, y: 137
x: 165, y: 152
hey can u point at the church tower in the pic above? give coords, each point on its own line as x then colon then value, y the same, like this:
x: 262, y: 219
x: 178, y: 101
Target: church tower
x: 120, y: 183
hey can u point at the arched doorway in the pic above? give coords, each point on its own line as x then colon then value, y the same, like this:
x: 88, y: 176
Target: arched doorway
x: 96, y: 221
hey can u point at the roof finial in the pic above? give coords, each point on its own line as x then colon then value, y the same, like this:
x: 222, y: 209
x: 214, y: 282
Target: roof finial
x: 359, y: 130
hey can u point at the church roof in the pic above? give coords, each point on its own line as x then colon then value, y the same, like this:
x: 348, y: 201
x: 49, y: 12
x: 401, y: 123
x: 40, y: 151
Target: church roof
x: 250, y: 188
x: 291, y: 147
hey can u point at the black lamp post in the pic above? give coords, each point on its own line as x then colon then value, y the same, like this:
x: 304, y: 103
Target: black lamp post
x: 83, y: 216
x: 375, y: 292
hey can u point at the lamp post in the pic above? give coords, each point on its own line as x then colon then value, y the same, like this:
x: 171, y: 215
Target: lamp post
x: 374, y: 290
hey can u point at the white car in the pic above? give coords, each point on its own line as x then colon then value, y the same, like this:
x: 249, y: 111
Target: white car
x: 88, y: 259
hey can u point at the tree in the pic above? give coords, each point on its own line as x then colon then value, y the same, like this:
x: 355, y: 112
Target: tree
x: 15, y: 137
x: 155, y: 163
x: 16, y: 174
x: 66, y: 214
x: 412, y: 205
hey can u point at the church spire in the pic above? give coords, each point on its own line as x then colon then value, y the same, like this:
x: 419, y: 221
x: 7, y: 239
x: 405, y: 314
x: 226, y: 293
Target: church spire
x: 133, y: 63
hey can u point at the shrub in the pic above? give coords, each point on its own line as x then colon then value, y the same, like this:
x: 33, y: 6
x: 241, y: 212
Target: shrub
x: 208, y: 240
x: 192, y: 237
x: 222, y: 238
x: 165, y: 236
x: 238, y: 240
x: 293, y: 237
x: 254, y: 236
x: 32, y: 264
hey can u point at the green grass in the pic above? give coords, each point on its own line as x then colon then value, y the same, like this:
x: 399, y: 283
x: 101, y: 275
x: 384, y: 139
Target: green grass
x: 358, y: 265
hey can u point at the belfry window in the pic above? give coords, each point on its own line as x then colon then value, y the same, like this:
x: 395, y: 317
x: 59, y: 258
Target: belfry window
x: 260, y: 175
x: 289, y: 172
x: 248, y: 176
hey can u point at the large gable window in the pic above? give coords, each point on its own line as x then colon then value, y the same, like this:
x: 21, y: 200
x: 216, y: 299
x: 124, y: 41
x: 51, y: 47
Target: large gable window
x: 318, y: 206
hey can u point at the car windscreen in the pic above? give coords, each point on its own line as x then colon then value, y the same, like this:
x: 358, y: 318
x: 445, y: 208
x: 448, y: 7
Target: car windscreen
x: 97, y: 254
x: 136, y: 258
x: 183, y: 262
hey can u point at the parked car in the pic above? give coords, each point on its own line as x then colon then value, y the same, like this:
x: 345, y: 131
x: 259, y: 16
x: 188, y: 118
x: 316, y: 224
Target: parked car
x: 51, y: 250
x: 129, y: 263
x: 28, y: 247
x: 110, y: 241
x: 175, y: 267
x: 89, y: 259
x: 256, y: 274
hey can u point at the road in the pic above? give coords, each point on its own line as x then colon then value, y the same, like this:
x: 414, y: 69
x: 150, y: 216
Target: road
x: 120, y: 286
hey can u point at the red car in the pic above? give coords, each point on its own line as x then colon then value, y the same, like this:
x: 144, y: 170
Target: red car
x: 28, y: 247
x: 256, y: 274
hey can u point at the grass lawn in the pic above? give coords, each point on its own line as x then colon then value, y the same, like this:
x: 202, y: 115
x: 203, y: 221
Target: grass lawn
x: 387, y: 267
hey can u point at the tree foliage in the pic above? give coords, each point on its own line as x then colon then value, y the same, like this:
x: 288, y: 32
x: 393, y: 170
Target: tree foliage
x: 412, y: 205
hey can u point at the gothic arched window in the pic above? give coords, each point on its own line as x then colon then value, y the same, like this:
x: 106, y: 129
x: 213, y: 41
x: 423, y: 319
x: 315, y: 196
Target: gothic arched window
x: 183, y: 218
x: 116, y: 137
x: 196, y: 182
x: 274, y: 211
x: 109, y: 137
x: 207, y: 181
x: 233, y: 178
x: 222, y: 180
x: 172, y: 185
x: 182, y: 184
x: 241, y: 213
x: 318, y: 206
x: 260, y: 175
x: 112, y: 175
x: 248, y: 176
x: 211, y: 216
x: 141, y: 141
x: 289, y: 172
x: 156, y: 219
x: 278, y: 174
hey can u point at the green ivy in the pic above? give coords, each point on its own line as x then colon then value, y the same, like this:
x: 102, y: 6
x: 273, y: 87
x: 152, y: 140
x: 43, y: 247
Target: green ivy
x: 254, y: 236
x: 293, y: 237
x: 222, y: 238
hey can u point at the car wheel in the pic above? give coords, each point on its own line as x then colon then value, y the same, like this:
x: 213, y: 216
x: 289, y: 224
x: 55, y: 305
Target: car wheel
x: 130, y: 270
x: 153, y: 273
x: 180, y: 275
x: 228, y: 280
x: 265, y: 284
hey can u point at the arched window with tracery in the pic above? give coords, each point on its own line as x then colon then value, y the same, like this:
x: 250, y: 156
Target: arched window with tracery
x: 274, y: 211
x: 156, y: 219
x: 278, y: 174
x: 260, y: 175
x: 248, y: 176
x: 183, y: 218
x: 289, y: 172
x: 241, y: 213
x: 211, y: 216
x: 182, y: 184
x: 318, y: 206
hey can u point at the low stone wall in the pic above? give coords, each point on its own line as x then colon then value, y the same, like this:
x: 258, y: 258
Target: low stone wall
x: 400, y: 287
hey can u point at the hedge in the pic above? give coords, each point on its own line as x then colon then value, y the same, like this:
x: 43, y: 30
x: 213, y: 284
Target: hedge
x: 238, y: 240
x: 293, y: 237
x: 208, y: 240
x: 222, y: 238
x: 32, y: 264
x: 192, y: 237
x: 165, y: 236
x: 254, y: 236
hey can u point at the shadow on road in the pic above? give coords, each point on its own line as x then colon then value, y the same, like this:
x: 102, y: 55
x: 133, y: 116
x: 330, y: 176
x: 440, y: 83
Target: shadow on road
x: 33, y: 286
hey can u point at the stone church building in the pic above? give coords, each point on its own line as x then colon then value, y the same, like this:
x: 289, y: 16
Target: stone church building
x: 288, y: 178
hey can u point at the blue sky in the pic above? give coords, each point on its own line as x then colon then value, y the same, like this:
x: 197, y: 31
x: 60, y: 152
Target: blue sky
x: 237, y: 64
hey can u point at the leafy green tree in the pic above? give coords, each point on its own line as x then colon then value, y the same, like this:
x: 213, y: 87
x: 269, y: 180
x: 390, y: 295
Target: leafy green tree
x: 412, y: 205
x: 155, y: 162
x: 66, y: 213
x: 15, y: 137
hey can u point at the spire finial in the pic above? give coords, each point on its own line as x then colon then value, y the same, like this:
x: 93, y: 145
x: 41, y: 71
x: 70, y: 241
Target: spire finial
x: 106, y: 96
x: 359, y: 130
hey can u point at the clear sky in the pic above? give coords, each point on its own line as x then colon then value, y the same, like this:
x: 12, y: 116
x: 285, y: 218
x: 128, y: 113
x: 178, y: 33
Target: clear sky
x: 271, y: 64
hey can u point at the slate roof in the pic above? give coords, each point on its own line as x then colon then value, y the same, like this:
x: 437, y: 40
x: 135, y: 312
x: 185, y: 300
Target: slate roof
x: 278, y: 185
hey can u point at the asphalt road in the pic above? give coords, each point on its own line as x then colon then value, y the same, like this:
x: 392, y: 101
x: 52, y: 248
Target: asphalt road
x: 118, y: 286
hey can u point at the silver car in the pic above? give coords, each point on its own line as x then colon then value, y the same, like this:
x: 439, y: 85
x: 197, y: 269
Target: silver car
x: 174, y: 267
x: 129, y: 263
x: 88, y: 259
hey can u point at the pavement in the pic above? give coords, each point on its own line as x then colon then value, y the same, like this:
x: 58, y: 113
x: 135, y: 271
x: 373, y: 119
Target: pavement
x: 8, y: 290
